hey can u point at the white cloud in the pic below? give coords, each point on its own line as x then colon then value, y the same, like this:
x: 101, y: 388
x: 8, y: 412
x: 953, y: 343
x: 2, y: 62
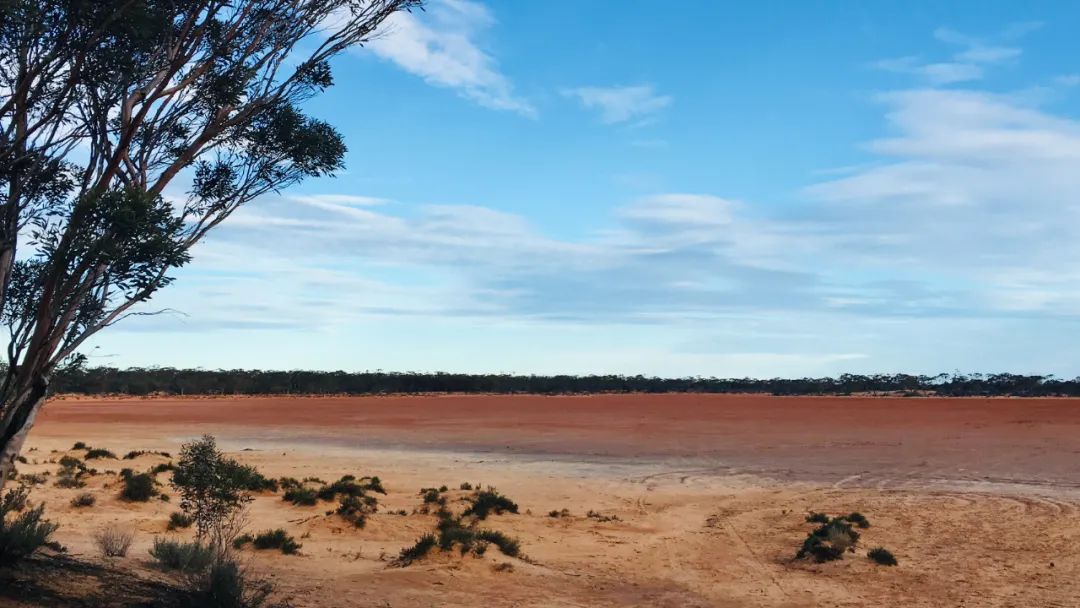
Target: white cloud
x: 966, y: 64
x: 620, y: 104
x: 441, y: 46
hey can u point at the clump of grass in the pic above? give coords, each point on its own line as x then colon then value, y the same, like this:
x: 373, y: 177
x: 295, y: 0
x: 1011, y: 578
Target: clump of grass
x: 277, y: 539
x: 136, y: 453
x: 598, y: 516
x: 22, y: 535
x: 489, y: 501
x: 80, y: 445
x: 882, y: 556
x: 114, y: 540
x: 817, y: 518
x: 83, y: 500
x: 355, y: 509
x: 97, y: 453
x: 71, y: 473
x: 830, y: 540
x: 162, y: 468
x: 289, y: 483
x: 422, y: 547
x: 858, y: 519
x: 560, y: 513
x: 465, y: 486
x: 179, y: 520
x: 22, y: 460
x: 183, y: 557
x: 33, y: 479
x: 240, y: 541
x: 509, y: 546
x: 432, y: 496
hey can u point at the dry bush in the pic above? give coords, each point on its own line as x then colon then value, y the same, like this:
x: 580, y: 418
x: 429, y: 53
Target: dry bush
x: 114, y: 540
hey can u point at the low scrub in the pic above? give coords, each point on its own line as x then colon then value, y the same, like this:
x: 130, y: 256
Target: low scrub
x: 832, y: 538
x: 883, y: 556
x: 80, y: 445
x: 114, y: 540
x: 182, y: 557
x: 422, y: 547
x: 301, y: 496
x: 138, y: 487
x: 97, y: 453
x: 598, y: 516
x: 136, y: 453
x: 226, y: 584
x: 355, y: 509
x: 485, y: 502
x: 83, y: 500
x: 277, y: 539
x: 71, y: 473
x: 23, y: 534
x: 179, y: 520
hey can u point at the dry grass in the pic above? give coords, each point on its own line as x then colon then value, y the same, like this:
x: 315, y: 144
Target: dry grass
x: 114, y: 540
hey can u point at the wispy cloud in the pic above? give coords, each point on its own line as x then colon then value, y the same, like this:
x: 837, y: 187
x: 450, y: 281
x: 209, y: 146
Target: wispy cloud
x: 441, y: 46
x: 969, y: 62
x: 619, y: 104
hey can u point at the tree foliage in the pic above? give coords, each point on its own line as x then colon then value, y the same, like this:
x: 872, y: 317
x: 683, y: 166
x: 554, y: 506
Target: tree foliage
x: 103, y: 103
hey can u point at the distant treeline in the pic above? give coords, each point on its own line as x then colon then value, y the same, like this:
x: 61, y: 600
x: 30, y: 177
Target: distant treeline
x: 145, y: 381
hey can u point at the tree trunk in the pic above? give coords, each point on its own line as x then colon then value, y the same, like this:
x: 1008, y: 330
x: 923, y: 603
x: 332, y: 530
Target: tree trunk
x: 16, y: 425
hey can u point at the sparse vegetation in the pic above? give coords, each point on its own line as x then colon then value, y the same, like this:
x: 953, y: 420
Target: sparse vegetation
x: 136, y: 453
x: 277, y: 539
x: 138, y: 487
x: 560, y: 513
x: 600, y: 517
x: 98, y: 453
x: 178, y: 520
x: 832, y: 538
x: 79, y: 445
x: 114, y: 540
x: 71, y: 473
x: 210, y: 488
x: 465, y: 486
x: 817, y: 518
x: 301, y: 496
x: 422, y: 547
x: 83, y: 500
x: 23, y: 534
x: 240, y: 541
x: 489, y: 501
x: 883, y: 556
x: 180, y: 556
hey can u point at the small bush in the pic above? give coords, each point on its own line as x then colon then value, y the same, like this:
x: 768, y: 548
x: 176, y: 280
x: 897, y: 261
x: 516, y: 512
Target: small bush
x: 600, y: 517
x: 33, y: 479
x: 179, y: 520
x: 277, y: 539
x: 301, y: 496
x: 509, y: 546
x: 99, y: 453
x: 289, y: 483
x: 858, y: 519
x: 247, y: 477
x: 432, y: 496
x: 184, y: 557
x: 829, y: 540
x: 138, y: 487
x: 490, y: 501
x: 162, y: 468
x: 558, y: 513
x: 114, y: 540
x: 224, y: 584
x: 22, y: 460
x: 882, y: 556
x: 422, y: 547
x: 817, y: 518
x: 136, y: 453
x: 83, y: 500
x: 355, y: 509
x: 465, y: 486
x: 23, y: 535
x: 79, y: 445
x: 71, y: 473
x: 240, y: 541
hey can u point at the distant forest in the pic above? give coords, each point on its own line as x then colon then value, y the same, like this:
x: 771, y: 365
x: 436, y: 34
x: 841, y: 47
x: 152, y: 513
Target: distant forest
x: 164, y: 380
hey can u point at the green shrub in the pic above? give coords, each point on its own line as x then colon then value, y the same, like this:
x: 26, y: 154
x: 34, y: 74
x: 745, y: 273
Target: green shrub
x: 179, y: 520
x: 247, y: 477
x: 508, y: 545
x: 277, y: 539
x: 600, y: 517
x: 22, y: 535
x: 355, y: 509
x: 301, y: 496
x: 422, y: 547
x: 558, y: 513
x: 289, y: 483
x: 71, y: 473
x: 882, y: 556
x: 33, y: 479
x: 138, y: 487
x: 489, y: 501
x: 817, y: 518
x: 99, y: 453
x: 83, y: 500
x: 224, y: 584
x: 829, y: 540
x: 858, y: 519
x: 22, y: 460
x: 240, y: 541
x: 162, y: 468
x: 79, y: 445
x: 465, y: 486
x: 184, y: 557
x: 431, y: 496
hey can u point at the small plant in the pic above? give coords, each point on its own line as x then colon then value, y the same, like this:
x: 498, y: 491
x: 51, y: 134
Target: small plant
x: 600, y: 517
x: 79, y: 445
x: 465, y: 486
x: 830, y: 540
x: 114, y: 540
x: 355, y: 509
x: 179, y: 520
x: 558, y: 513
x: 83, y: 500
x: 225, y: 584
x: 22, y: 460
x: 858, y: 519
x: 138, y: 487
x: 33, y: 479
x: 509, y: 546
x: 71, y: 473
x: 277, y: 539
x: 162, y: 468
x: 817, y: 518
x: 22, y: 535
x: 99, y: 453
x: 422, y: 547
x: 183, y: 557
x: 432, y: 496
x: 301, y: 496
x: 882, y: 556
x: 490, y: 501
x: 240, y: 541
x: 136, y: 453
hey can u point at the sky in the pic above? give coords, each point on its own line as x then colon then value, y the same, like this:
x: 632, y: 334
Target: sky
x: 699, y: 188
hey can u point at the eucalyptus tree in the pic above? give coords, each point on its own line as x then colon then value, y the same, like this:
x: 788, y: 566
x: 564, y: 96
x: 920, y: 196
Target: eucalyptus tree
x: 103, y: 104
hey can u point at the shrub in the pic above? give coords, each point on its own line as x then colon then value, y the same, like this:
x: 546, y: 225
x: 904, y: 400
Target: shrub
x: 178, y: 520
x: 277, y: 539
x: 289, y: 483
x: 431, y: 495
x: 79, y: 445
x: 508, y: 545
x: 224, y: 584
x: 137, y: 487
x: 355, y: 509
x: 136, y: 453
x: 858, y: 519
x: 162, y: 468
x: 562, y: 513
x: 301, y: 496
x: 829, y: 540
x: 882, y: 556
x: 817, y: 518
x: 23, y: 535
x: 22, y: 460
x: 488, y: 501
x: 99, y: 453
x: 465, y: 486
x: 247, y: 477
x: 71, y: 473
x: 242, y: 540
x: 184, y: 557
x: 422, y: 547
x: 598, y: 516
x: 209, y: 484
x: 83, y: 500
x: 114, y: 540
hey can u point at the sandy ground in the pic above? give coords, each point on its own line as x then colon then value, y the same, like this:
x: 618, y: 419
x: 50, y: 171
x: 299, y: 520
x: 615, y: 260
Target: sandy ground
x: 978, y: 498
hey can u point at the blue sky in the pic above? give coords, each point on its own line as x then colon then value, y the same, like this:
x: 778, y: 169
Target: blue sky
x: 763, y: 189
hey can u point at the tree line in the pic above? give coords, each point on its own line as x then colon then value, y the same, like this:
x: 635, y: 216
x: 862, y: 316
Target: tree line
x: 139, y: 381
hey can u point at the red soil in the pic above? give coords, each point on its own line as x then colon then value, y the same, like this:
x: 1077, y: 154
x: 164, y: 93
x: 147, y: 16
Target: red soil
x: 862, y: 440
